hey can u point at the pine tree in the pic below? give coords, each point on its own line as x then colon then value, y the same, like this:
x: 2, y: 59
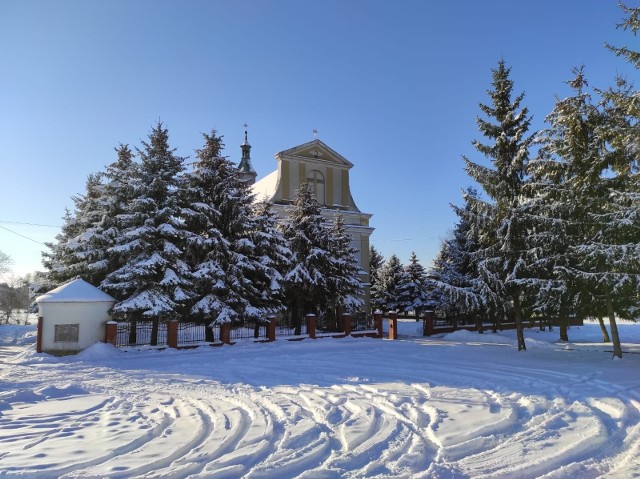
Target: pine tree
x: 345, y: 287
x: 561, y: 197
x: 306, y: 282
x: 57, y: 259
x: 376, y: 262
x: 453, y: 277
x: 500, y: 223
x: 219, y: 215
x: 412, y: 290
x: 272, y: 255
x: 97, y: 216
x: 389, y: 279
x: 154, y: 281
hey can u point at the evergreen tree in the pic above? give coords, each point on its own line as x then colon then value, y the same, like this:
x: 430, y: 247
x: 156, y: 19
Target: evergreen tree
x: 272, y: 254
x: 306, y: 282
x: 389, y: 279
x: 345, y: 287
x: 120, y: 180
x: 58, y: 258
x: 376, y: 260
x: 154, y: 281
x: 219, y: 215
x: 412, y: 289
x: 500, y: 224
x: 96, y: 214
x: 561, y: 197
x: 453, y: 277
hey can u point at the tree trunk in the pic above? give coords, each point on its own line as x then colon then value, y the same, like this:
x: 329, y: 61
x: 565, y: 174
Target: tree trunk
x: 617, y: 348
x: 519, y: 327
x: 564, y: 326
x: 605, y: 333
x: 155, y: 325
x: 133, y: 331
x: 208, y: 333
x: 298, y: 313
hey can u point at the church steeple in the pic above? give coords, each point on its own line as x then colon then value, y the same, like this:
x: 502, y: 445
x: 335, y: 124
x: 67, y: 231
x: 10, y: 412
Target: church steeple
x: 247, y: 173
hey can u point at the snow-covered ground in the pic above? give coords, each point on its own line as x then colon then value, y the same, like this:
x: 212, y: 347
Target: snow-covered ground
x: 463, y: 405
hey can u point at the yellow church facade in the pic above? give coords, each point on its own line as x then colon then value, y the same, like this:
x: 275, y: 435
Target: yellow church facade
x: 327, y: 173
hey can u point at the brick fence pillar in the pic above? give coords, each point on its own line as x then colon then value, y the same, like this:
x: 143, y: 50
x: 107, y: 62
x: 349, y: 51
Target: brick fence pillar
x: 393, y: 325
x: 172, y: 334
x: 271, y: 328
x: 311, y: 325
x: 39, y: 338
x: 377, y: 322
x: 427, y: 327
x: 347, y: 323
x: 225, y: 333
x: 111, y: 332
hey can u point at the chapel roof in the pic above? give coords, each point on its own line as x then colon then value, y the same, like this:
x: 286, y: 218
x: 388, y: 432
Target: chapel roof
x: 76, y: 291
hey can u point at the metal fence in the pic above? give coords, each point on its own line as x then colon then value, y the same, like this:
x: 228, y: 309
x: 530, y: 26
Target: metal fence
x: 141, y: 335
x: 362, y: 322
x: 326, y: 324
x: 192, y: 332
x: 248, y: 329
x: 287, y: 325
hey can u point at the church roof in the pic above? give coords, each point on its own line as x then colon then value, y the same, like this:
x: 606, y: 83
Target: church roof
x: 316, y: 149
x: 266, y: 187
x: 76, y: 291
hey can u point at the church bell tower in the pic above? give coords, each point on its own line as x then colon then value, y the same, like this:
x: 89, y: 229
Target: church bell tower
x: 247, y: 173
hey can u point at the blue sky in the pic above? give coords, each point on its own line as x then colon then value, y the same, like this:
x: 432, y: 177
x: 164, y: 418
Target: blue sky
x: 393, y: 86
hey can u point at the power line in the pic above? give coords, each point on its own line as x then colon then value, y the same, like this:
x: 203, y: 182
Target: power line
x: 21, y: 235
x: 30, y: 224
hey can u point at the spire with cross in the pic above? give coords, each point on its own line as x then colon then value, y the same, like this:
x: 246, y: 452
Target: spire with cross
x: 247, y: 173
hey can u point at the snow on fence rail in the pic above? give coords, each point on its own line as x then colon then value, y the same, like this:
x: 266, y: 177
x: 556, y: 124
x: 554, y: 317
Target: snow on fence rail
x: 176, y: 334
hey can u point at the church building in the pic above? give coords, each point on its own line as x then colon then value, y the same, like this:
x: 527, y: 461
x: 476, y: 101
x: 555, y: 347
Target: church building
x: 327, y: 174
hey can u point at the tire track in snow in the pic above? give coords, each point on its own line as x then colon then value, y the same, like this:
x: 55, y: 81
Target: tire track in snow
x: 352, y: 429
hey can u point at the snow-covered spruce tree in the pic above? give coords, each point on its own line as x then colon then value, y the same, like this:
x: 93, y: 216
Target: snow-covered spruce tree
x: 218, y: 210
x: 376, y: 260
x: 345, y: 287
x: 453, y: 278
x: 98, y: 214
x: 609, y: 258
x: 561, y: 196
x: 82, y: 249
x: 272, y: 254
x: 376, y: 263
x: 499, y: 223
x: 66, y: 258
x: 154, y: 282
x: 413, y: 287
x: 389, y: 279
x: 306, y: 283
x: 120, y: 179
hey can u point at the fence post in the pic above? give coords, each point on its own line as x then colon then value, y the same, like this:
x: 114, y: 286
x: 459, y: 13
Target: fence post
x: 311, y: 325
x: 427, y: 327
x: 377, y: 321
x: 346, y: 323
x: 39, y: 338
x: 172, y: 334
x: 393, y: 325
x: 225, y: 333
x: 111, y: 332
x: 271, y: 328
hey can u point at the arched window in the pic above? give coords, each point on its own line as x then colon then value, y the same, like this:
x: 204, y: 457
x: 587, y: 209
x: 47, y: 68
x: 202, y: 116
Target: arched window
x: 315, y: 180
